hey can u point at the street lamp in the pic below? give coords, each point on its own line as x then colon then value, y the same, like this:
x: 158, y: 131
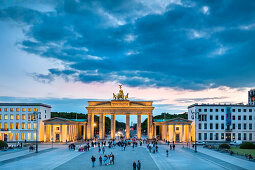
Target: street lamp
x: 195, y: 116
x: 36, y: 117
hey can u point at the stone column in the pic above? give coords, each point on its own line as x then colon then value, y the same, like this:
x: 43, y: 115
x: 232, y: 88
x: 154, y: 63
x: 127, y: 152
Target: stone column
x: 67, y: 133
x: 93, y: 127
x: 45, y: 131
x: 155, y: 131
x: 138, y: 126
x: 127, y: 126
x: 113, y: 126
x: 51, y: 133
x: 189, y: 133
x: 164, y: 132
x: 149, y: 127
x: 183, y: 133
x: 101, y: 126
x: 84, y: 131
x: 174, y: 133
x: 90, y: 126
x: 61, y: 135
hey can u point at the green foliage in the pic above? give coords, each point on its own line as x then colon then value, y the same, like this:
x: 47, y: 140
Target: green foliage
x: 3, y: 144
x: 224, y: 146
x: 165, y: 116
x: 247, y: 145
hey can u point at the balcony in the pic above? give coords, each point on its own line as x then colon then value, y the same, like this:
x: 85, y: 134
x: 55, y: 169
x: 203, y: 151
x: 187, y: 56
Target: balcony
x: 5, y: 130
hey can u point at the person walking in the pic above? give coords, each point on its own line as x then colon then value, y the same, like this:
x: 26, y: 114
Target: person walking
x: 93, y: 159
x: 112, y: 158
x: 167, y: 153
x: 170, y: 147
x: 134, y: 166
x: 138, y: 165
x: 103, y: 150
x: 100, y: 160
x: 173, y: 146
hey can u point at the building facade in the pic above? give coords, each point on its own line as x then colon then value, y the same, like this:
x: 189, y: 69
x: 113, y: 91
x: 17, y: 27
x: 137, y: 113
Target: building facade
x: 222, y: 122
x: 251, y: 97
x: 20, y: 121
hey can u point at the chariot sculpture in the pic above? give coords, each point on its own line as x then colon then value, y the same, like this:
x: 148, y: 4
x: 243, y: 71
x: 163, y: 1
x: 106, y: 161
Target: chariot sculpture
x: 120, y: 95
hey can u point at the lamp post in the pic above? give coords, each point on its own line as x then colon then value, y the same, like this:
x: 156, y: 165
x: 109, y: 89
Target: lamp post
x: 38, y: 116
x: 195, y: 116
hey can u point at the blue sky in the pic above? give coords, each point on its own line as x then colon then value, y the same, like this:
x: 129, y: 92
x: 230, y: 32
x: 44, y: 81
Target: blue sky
x: 174, y: 52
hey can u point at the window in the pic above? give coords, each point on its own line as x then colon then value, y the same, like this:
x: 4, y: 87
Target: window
x: 45, y: 116
x: 35, y: 109
x: 239, y: 110
x: 211, y: 117
x: 17, y: 136
x: 233, y: 117
x: 211, y: 110
x: 5, y: 126
x: 22, y: 136
x: 198, y: 110
x: 205, y: 126
x: 211, y: 126
x: 23, y: 117
x: 199, y: 136
x: 17, y: 117
x: 5, y: 117
x: 17, y: 109
x: 29, y: 109
x: 233, y: 110
x: 17, y: 125
x: 217, y: 117
x: 250, y: 117
x: 250, y: 126
x: 23, y: 125
x: 239, y: 126
x: 244, y: 126
x: 0, y: 126
x: 34, y: 125
x: 211, y: 136
x: 222, y: 110
x: 199, y: 117
x: 222, y: 135
x: 11, y: 109
x: 222, y: 126
x: 233, y: 126
x: 239, y: 117
x: 205, y: 136
x: 233, y: 136
x: 0, y: 109
x: 222, y: 117
x: 28, y: 136
x: 239, y: 136
x: 216, y: 126
x: 11, y: 117
x: 29, y: 118
x: 250, y: 136
x: 216, y: 110
x: 244, y: 110
x: 199, y: 126
x: 244, y: 117
x: 29, y: 125
x: 11, y: 125
x: 217, y: 136
x: 11, y: 136
x: 5, y: 109
x: 250, y: 110
x: 0, y: 117
x: 244, y: 136
x: 57, y: 128
x: 23, y: 109
x: 34, y: 136
x: 205, y: 110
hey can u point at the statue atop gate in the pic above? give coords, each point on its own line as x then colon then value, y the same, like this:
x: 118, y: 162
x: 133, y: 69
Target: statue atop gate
x: 120, y: 95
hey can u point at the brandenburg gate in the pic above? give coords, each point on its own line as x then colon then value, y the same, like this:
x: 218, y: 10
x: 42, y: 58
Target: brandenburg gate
x: 120, y: 105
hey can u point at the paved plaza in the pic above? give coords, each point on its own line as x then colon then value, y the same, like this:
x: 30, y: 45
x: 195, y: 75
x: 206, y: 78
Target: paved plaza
x: 60, y: 157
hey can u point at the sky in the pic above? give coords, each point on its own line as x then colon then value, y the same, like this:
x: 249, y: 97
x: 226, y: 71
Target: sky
x: 172, y: 52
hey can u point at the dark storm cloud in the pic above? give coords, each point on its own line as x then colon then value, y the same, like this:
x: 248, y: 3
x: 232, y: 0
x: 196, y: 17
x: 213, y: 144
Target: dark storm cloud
x: 192, y: 45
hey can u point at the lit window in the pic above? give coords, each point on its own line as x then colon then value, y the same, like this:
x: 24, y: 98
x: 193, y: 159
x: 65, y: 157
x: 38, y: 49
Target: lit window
x: 17, y: 109
x: 5, y: 126
x: 0, y: 125
x: 35, y: 109
x: 5, y: 117
x: 23, y: 125
x: 34, y: 136
x: 34, y: 126
x: 29, y: 125
x: 11, y: 109
x: 5, y: 109
x: 11, y: 125
x: 29, y: 117
x: 17, y: 117
x: 29, y: 109
x: 0, y: 109
x: 17, y: 136
x: 28, y: 136
x: 17, y: 125
x: 23, y: 109
x: 57, y: 128
x: 0, y: 117
x: 22, y: 136
x: 11, y: 117
x: 23, y: 117
x: 11, y: 136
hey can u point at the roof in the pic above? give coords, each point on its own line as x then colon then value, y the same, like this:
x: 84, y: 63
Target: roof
x: 177, y: 120
x: 225, y: 105
x: 60, y: 119
x: 25, y: 104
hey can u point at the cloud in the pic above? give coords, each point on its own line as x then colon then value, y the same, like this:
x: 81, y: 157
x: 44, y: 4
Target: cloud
x: 180, y: 44
x: 203, y: 99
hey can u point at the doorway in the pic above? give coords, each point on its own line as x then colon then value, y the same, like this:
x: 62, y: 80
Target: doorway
x: 177, y: 138
x: 5, y: 137
x: 57, y: 137
x: 228, y: 136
